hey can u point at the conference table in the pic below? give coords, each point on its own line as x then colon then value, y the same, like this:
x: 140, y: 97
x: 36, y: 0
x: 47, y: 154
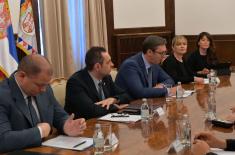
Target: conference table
x: 156, y: 136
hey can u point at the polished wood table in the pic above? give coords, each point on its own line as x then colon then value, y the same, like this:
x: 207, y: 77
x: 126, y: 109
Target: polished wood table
x: 155, y: 137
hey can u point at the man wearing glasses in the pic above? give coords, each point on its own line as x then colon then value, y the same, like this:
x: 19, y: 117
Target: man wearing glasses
x: 140, y: 75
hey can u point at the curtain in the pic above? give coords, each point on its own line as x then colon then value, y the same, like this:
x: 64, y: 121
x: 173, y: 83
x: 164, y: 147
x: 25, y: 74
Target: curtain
x: 96, y: 28
x: 57, y: 39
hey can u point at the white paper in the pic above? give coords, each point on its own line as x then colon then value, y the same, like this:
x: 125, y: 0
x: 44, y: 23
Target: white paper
x: 67, y: 142
x: 131, y: 118
x: 114, y: 139
x: 206, y: 81
x: 176, y: 146
x: 160, y: 111
x: 222, y: 152
x: 187, y: 93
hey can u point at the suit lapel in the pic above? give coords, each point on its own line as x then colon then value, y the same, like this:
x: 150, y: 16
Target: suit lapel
x: 105, y: 88
x: 90, y: 83
x: 42, y: 107
x: 143, y: 68
x: 19, y: 99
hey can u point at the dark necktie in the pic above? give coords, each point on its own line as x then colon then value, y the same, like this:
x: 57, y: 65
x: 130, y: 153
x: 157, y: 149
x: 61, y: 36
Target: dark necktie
x: 150, y: 78
x: 32, y: 112
x: 100, y: 91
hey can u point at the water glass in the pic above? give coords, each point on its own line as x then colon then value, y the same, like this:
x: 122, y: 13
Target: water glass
x: 169, y: 96
x: 107, y: 132
x: 180, y: 130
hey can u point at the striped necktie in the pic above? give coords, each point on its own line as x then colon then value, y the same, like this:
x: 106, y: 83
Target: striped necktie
x: 32, y: 111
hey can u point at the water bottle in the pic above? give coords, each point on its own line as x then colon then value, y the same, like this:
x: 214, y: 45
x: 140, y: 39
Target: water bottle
x: 212, y: 80
x: 144, y: 110
x: 98, y: 140
x: 187, y: 131
x: 179, y: 91
x: 211, y: 112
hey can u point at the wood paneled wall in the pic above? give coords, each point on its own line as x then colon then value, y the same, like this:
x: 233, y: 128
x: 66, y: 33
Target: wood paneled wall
x: 127, y: 41
x: 129, y: 44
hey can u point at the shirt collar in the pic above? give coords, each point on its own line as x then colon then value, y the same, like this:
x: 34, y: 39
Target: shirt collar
x: 96, y: 81
x: 23, y: 93
x: 146, y: 63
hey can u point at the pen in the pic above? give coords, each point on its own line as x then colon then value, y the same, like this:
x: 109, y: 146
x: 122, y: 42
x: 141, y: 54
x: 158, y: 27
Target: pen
x: 83, y: 142
x: 120, y: 116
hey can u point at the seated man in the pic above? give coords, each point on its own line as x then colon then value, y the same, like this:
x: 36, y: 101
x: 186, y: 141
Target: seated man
x: 140, y: 75
x: 91, y: 92
x: 204, y: 140
x: 28, y: 107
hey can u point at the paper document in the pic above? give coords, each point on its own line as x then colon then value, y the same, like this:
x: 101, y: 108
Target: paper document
x: 66, y: 142
x: 222, y: 152
x: 187, y: 93
x: 114, y: 117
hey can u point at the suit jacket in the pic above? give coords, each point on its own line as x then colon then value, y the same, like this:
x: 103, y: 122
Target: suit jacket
x: 81, y: 95
x: 16, y: 129
x: 132, y: 77
x: 179, y: 71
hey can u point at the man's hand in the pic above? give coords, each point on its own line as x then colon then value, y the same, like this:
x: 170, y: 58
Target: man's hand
x: 199, y: 80
x: 200, y: 147
x: 159, y: 85
x: 211, y: 140
x: 122, y: 106
x: 74, y: 127
x: 107, y: 102
x: 45, y: 129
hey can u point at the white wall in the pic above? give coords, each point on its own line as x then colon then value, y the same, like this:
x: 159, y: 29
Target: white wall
x: 138, y: 13
x: 195, y: 16
x: 15, y: 12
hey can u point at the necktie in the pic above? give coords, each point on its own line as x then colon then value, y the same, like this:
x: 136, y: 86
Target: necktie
x: 32, y: 112
x: 100, y: 91
x: 150, y: 79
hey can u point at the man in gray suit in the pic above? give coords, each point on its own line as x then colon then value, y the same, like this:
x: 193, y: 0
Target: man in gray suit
x: 28, y: 107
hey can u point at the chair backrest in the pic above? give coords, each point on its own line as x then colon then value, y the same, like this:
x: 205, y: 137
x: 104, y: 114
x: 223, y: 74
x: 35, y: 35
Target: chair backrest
x: 58, y: 86
x: 113, y: 73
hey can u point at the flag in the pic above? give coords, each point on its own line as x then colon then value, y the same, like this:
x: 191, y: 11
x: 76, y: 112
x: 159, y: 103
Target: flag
x: 26, y: 39
x: 8, y: 54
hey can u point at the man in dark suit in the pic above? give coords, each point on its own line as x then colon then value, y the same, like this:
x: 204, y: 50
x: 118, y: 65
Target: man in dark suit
x: 28, y: 107
x: 91, y: 91
x: 140, y: 75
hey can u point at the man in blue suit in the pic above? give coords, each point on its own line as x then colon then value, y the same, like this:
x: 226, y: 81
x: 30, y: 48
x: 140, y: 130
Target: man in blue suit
x: 28, y: 107
x: 140, y: 75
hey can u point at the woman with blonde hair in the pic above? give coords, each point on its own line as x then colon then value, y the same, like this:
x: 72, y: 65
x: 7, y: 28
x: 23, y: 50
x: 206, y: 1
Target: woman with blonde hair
x: 176, y: 66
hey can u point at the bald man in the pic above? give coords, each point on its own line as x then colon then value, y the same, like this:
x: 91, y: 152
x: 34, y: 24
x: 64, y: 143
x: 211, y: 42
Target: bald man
x: 28, y: 108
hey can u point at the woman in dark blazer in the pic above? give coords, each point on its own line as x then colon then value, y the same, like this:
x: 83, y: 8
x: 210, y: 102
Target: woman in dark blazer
x: 176, y: 66
x: 204, y: 57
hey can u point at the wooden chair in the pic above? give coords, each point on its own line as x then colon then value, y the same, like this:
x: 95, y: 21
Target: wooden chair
x: 58, y: 86
x: 114, y: 73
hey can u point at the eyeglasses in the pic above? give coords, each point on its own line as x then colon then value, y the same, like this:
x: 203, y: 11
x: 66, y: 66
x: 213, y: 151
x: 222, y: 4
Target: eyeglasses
x: 160, y: 53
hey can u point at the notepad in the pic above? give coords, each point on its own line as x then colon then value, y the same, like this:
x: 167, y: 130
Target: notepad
x: 221, y: 152
x: 130, y: 118
x: 67, y: 142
